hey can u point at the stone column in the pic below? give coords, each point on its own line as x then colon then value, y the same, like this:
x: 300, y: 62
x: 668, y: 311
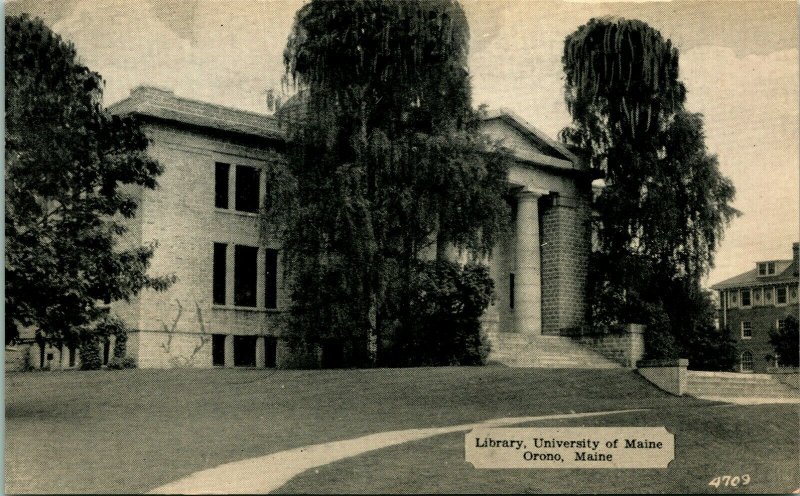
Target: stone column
x: 527, y: 273
x: 229, y: 351
x: 261, y: 358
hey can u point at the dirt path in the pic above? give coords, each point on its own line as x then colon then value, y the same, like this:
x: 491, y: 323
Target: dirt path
x: 268, y: 473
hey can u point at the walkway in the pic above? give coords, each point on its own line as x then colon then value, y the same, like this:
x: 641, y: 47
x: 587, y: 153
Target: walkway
x: 268, y: 473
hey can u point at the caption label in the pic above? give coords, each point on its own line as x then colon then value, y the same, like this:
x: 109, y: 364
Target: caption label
x: 570, y: 447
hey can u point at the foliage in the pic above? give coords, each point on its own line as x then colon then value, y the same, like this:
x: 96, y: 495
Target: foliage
x: 447, y: 301
x: 711, y: 349
x: 387, y: 165
x: 786, y: 342
x: 72, y: 177
x: 665, y: 204
x: 89, y: 352
x: 119, y: 363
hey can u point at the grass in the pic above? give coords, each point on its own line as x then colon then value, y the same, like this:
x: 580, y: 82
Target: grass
x: 133, y: 430
x: 760, y: 441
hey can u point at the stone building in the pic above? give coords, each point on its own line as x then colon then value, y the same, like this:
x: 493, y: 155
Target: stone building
x: 230, y: 290
x: 756, y: 301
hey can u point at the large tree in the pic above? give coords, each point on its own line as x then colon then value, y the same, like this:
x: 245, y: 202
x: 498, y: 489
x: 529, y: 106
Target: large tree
x: 386, y: 165
x: 72, y: 175
x: 665, y: 204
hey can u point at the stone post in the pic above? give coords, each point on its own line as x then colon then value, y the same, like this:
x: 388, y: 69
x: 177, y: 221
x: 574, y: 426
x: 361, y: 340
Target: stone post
x: 261, y: 358
x: 229, y: 351
x: 635, y: 345
x: 527, y: 274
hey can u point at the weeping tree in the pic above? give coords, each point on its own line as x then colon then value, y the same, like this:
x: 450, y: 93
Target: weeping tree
x: 665, y: 204
x: 384, y: 167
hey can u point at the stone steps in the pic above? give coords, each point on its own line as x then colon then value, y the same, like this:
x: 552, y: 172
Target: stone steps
x: 516, y: 350
x: 730, y: 384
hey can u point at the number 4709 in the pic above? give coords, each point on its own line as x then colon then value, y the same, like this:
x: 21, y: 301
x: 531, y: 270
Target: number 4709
x: 730, y: 481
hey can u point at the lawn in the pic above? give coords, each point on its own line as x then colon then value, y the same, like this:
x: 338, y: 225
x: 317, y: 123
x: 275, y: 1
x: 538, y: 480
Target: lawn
x: 133, y: 430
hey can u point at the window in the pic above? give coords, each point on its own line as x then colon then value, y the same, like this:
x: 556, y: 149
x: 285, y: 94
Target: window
x: 733, y: 297
x: 511, y: 291
x: 757, y: 295
x: 218, y: 350
x: 220, y: 268
x: 745, y: 297
x: 747, y: 361
x: 244, y: 351
x: 271, y: 278
x: 768, y: 295
x: 780, y: 324
x: 247, y: 188
x: 221, y: 172
x: 245, y: 276
x: 770, y: 268
x: 747, y: 330
x: 780, y: 295
x: 270, y: 352
x: 762, y: 269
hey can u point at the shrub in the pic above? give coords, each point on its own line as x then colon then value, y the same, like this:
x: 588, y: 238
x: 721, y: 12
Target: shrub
x: 442, y: 323
x: 90, y: 352
x: 786, y: 342
x: 118, y: 363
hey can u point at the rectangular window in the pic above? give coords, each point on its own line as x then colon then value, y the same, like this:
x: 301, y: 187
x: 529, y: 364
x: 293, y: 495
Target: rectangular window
x: 733, y: 297
x: 745, y: 297
x: 218, y: 350
x: 511, y: 290
x: 221, y: 185
x: 245, y: 276
x: 220, y: 262
x: 762, y: 269
x: 768, y: 295
x: 770, y: 268
x: 271, y: 278
x: 247, y: 188
x: 244, y: 351
x: 780, y: 295
x: 270, y: 352
x: 747, y: 330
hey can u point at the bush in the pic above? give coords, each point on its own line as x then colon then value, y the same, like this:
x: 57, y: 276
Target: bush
x: 118, y: 363
x: 786, y: 342
x: 710, y: 349
x: 90, y: 352
x: 441, y: 324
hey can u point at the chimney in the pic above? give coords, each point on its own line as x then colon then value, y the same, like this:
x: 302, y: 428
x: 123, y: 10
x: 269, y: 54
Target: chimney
x: 796, y: 262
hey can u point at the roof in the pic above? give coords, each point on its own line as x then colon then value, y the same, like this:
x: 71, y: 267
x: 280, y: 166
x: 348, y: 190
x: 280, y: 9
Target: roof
x: 163, y: 104
x: 537, y: 136
x: 751, y: 278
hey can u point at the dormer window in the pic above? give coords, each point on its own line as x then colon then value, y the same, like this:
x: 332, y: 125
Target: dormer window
x: 766, y: 268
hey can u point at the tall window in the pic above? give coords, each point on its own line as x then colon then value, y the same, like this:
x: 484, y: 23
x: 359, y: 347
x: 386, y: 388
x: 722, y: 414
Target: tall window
x: 221, y: 185
x: 271, y: 278
x: 220, y: 269
x: 245, y: 276
x: 780, y: 295
x: 762, y: 269
x: 745, y: 297
x: 747, y: 362
x: 747, y: 330
x: 511, y: 290
x: 770, y: 268
x: 247, y: 188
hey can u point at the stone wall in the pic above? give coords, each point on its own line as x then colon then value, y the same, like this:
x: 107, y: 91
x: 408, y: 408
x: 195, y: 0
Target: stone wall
x: 625, y: 348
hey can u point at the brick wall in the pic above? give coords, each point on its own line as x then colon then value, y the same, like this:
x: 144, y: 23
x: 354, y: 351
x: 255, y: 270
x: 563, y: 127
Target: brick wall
x: 565, y: 256
x: 762, y: 319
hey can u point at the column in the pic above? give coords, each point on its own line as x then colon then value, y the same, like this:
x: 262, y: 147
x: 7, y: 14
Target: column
x: 229, y: 351
x: 261, y: 359
x: 527, y: 273
x: 260, y: 279
x: 232, y: 187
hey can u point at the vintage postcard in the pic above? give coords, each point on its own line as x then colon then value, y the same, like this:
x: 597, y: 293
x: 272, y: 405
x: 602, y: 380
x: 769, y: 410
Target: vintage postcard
x: 401, y: 246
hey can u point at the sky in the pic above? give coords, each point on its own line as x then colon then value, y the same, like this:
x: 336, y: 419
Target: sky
x: 739, y: 61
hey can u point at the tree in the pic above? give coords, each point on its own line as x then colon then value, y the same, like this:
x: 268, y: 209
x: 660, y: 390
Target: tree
x: 786, y: 342
x: 386, y: 164
x: 665, y: 204
x: 72, y: 176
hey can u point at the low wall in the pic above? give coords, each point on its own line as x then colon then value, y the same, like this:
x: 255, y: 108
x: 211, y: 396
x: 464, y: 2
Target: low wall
x: 789, y: 376
x: 625, y: 348
x: 669, y: 375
